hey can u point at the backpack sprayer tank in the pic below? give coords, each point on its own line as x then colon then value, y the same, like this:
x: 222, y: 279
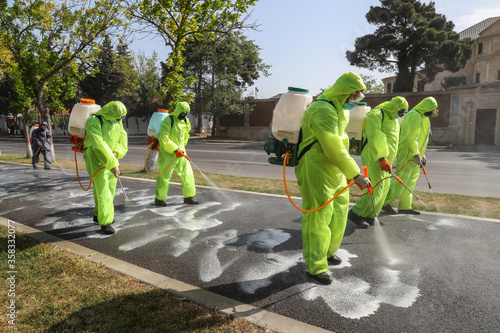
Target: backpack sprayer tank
x: 77, y: 119
x: 286, y: 125
x: 355, y: 127
x: 154, y: 127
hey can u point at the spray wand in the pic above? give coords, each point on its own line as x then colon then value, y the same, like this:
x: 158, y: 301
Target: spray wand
x: 421, y: 166
x: 425, y: 174
x: 370, y: 190
x: 401, y: 182
x: 121, y: 185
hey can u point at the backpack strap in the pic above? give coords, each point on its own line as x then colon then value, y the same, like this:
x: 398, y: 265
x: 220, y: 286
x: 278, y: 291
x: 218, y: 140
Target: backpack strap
x: 98, y: 117
x: 309, y: 146
x: 365, y: 141
x: 172, y: 121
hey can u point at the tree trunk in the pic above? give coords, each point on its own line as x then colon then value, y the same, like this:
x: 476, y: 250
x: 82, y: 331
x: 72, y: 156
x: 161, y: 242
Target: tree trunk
x: 200, y: 123
x: 27, y: 137
x: 405, y: 78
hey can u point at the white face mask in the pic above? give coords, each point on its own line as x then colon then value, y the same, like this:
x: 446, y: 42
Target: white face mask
x: 359, y: 97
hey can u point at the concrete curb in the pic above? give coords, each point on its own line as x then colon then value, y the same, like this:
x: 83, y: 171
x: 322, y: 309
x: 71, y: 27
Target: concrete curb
x: 257, y: 316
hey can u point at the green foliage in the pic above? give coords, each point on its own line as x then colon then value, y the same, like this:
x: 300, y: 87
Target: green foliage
x: 410, y: 37
x: 100, y: 77
x: 223, y: 68
x: 372, y: 85
x: 128, y: 79
x: 149, y: 84
x: 111, y: 76
x: 45, y: 40
x: 177, y: 22
x: 453, y: 81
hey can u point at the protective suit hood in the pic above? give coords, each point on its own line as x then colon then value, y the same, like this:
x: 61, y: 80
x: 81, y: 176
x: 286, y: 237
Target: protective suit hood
x: 179, y: 108
x: 113, y: 110
x: 345, y: 85
x: 394, y: 105
x: 426, y: 105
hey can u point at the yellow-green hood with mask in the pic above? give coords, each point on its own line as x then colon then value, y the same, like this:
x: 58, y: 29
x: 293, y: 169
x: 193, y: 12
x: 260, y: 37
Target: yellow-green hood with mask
x: 113, y: 111
x: 345, y: 85
x: 426, y: 105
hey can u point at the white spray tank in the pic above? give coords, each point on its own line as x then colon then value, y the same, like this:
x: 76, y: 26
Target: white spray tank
x: 154, y: 127
x: 77, y: 119
x: 355, y: 127
x: 286, y: 125
x: 288, y: 114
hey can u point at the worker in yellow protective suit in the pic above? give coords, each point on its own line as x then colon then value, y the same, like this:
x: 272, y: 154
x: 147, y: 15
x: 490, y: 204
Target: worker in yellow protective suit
x: 105, y: 143
x: 413, y: 140
x: 380, y: 140
x: 174, y: 136
x: 324, y: 163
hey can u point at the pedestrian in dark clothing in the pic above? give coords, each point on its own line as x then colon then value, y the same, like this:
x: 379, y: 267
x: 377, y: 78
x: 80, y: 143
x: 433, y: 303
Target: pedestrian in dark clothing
x: 40, y: 144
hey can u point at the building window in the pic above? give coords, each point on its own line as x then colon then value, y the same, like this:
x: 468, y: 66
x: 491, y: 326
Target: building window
x: 477, y: 78
x: 479, y: 48
x: 420, y: 85
x: 389, y: 86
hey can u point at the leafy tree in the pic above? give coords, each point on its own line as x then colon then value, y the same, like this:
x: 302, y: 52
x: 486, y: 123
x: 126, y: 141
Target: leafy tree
x: 149, y: 84
x: 223, y: 69
x: 100, y: 77
x: 110, y: 76
x: 372, y: 85
x: 177, y: 21
x: 46, y: 39
x: 127, y: 80
x: 410, y: 38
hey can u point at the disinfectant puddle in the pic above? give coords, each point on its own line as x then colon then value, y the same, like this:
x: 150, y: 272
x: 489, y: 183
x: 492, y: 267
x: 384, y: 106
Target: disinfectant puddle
x: 354, y: 298
x: 180, y: 224
x: 350, y: 297
x: 441, y: 222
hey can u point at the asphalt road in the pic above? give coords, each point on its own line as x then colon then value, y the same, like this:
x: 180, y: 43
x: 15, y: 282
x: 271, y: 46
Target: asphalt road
x: 431, y: 273
x: 465, y: 170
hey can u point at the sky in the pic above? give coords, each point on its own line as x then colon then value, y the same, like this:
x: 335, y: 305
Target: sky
x: 305, y: 42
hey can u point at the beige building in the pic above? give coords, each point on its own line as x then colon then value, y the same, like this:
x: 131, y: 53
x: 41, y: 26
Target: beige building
x: 471, y: 96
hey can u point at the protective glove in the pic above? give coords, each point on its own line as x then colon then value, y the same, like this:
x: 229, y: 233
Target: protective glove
x: 417, y: 160
x: 116, y: 172
x: 179, y: 152
x: 362, y: 182
x: 385, y: 165
x: 424, y: 160
x: 38, y: 142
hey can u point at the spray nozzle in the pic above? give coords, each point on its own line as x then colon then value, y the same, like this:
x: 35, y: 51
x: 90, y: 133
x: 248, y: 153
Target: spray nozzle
x: 365, y: 173
x: 398, y: 179
x: 369, y: 188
